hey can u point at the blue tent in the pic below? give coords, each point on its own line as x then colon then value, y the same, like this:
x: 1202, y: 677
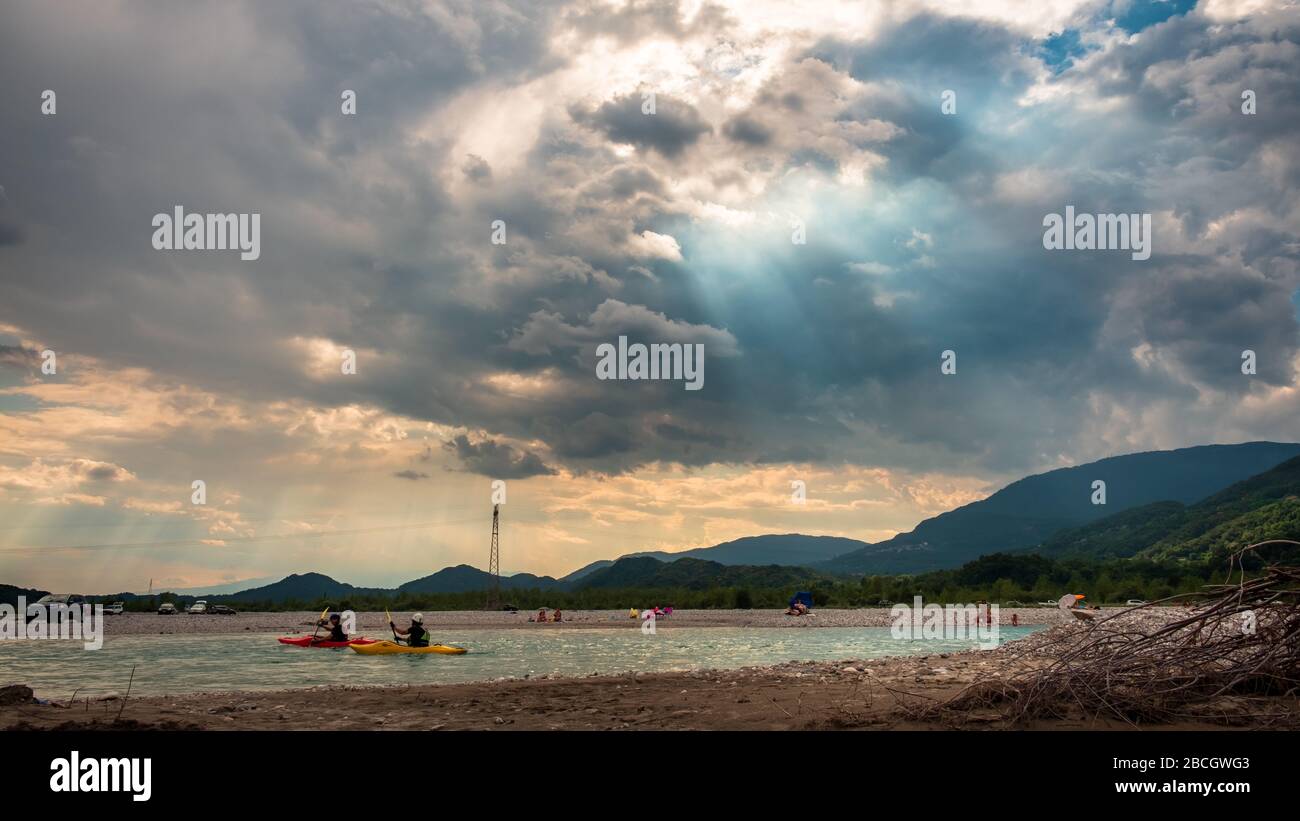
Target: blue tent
x: 802, y: 596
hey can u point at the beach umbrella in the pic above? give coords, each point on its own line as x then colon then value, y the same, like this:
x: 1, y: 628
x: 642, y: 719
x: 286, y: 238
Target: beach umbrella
x: 1068, y: 600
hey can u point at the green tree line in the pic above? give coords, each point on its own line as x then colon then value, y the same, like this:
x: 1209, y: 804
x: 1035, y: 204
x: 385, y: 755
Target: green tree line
x: 1001, y: 577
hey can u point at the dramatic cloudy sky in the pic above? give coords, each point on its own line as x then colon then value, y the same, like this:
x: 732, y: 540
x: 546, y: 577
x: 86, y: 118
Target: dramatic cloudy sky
x: 477, y: 361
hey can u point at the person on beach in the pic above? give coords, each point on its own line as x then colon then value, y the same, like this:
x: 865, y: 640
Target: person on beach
x: 557, y: 615
x: 415, y: 635
x: 335, y: 625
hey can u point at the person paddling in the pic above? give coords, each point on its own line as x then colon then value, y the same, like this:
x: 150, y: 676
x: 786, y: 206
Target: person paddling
x: 416, y: 635
x: 335, y: 625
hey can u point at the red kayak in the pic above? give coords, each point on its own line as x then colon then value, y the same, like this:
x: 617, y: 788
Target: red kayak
x: 306, y: 641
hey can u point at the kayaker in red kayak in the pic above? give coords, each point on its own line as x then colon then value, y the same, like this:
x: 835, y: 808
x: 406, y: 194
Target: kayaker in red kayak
x: 335, y: 625
x: 416, y: 635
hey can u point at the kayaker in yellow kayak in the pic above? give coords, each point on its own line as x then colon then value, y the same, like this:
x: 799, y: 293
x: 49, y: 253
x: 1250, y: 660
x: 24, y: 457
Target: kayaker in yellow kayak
x: 415, y: 635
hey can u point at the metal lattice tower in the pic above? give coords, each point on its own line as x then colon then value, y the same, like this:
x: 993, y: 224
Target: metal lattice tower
x: 494, y: 562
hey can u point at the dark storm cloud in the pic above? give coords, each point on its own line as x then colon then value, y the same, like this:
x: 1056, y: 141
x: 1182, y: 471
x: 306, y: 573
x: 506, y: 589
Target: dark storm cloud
x: 497, y: 460
x: 104, y: 473
x: 625, y: 182
x: 376, y: 228
x: 19, y: 356
x: 11, y: 230
x: 259, y: 129
x: 678, y: 433
x: 982, y: 63
x: 745, y: 129
x: 476, y: 169
x: 412, y: 475
x: 674, y: 126
x: 594, y: 436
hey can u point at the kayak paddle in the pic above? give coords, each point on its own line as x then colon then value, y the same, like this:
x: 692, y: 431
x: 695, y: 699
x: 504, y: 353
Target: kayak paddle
x: 323, y: 614
x: 396, y: 640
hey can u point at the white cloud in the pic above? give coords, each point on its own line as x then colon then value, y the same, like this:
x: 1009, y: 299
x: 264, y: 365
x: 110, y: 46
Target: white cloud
x: 649, y: 245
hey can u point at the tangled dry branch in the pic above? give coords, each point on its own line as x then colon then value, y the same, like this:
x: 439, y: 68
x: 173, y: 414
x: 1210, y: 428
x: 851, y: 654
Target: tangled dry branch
x: 1234, y: 658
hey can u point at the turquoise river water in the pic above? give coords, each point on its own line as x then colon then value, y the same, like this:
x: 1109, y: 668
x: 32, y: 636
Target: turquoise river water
x: 184, y: 664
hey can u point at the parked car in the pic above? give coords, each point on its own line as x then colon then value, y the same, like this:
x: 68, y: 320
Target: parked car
x: 1134, y: 602
x: 167, y: 609
x: 221, y: 610
x: 114, y: 609
x: 199, y: 606
x: 509, y: 608
x: 58, y: 599
x: 61, y: 598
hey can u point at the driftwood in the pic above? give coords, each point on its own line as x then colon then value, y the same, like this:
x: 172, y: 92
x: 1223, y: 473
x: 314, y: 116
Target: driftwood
x: 1233, y: 659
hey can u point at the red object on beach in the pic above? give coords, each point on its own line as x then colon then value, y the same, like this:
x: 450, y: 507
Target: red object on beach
x: 305, y: 641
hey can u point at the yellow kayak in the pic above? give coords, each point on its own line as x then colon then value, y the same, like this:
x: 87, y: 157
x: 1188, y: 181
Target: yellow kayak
x: 388, y: 648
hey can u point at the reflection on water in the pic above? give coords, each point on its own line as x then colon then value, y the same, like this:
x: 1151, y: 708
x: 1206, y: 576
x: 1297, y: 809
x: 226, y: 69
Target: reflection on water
x: 180, y: 664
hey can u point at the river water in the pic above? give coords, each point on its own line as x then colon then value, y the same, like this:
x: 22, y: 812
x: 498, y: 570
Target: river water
x: 189, y: 663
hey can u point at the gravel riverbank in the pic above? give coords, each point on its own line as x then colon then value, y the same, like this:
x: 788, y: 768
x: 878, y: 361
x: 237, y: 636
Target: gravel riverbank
x: 374, y: 624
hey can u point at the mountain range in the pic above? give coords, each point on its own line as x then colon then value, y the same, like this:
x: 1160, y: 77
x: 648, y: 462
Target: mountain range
x: 1193, y: 503
x: 793, y: 549
x: 459, y: 579
x: 1032, y: 510
x: 629, y: 571
x: 1262, y: 507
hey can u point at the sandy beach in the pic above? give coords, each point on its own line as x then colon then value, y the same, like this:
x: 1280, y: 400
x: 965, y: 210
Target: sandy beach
x: 375, y: 624
x: 846, y: 694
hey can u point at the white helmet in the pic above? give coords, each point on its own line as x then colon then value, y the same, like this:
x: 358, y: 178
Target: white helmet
x: 418, y: 618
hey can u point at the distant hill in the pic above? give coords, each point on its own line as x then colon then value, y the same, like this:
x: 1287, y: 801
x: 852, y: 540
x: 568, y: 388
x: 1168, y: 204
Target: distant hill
x: 9, y: 594
x: 788, y: 548
x: 1266, y: 506
x: 462, y: 579
x: 459, y: 579
x: 585, y: 570
x: 1032, y: 510
x: 693, y: 574
x: 221, y: 589
x: 1114, y: 537
x: 302, y: 586
x: 793, y: 549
